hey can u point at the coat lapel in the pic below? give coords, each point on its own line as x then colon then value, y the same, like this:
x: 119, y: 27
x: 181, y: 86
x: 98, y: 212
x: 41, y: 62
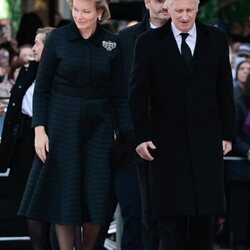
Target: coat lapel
x: 202, y: 48
x: 170, y: 48
x: 141, y: 28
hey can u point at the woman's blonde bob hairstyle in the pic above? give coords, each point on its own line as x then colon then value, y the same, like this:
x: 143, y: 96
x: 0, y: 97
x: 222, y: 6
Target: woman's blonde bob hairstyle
x: 100, y: 5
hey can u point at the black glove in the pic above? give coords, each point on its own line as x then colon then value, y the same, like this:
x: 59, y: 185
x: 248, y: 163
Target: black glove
x: 123, y: 150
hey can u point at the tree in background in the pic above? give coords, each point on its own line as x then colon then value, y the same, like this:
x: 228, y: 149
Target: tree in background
x: 225, y: 11
x: 11, y: 9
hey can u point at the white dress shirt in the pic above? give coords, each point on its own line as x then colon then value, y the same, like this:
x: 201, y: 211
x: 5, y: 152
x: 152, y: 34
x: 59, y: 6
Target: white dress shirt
x: 28, y: 101
x: 152, y: 26
x: 190, y: 40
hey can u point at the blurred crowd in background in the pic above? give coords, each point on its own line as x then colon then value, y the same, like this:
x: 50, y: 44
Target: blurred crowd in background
x: 16, y: 50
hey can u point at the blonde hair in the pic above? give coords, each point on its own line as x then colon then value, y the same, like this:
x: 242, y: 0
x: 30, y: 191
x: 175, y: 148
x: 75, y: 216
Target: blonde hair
x: 100, y: 5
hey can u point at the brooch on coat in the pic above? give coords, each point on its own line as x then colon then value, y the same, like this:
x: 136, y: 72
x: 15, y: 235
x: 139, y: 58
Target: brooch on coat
x: 108, y: 45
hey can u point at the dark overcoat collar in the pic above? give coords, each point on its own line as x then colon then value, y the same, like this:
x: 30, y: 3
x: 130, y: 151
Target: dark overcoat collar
x: 173, y: 54
x: 142, y: 26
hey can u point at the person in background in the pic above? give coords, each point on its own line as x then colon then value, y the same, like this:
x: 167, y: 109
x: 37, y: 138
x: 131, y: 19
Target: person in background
x: 139, y: 230
x: 181, y: 98
x: 242, y: 72
x: 28, y: 26
x: 26, y: 53
x: 4, y: 58
x: 6, y: 85
x: 78, y: 94
x: 17, y: 145
x: 238, y: 172
x: 15, y: 68
x: 137, y: 223
x: 246, y: 32
x: 6, y: 40
x: 57, y: 18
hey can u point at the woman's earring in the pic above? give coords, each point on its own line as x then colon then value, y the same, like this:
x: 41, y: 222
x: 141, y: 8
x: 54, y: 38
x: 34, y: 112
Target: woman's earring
x: 99, y: 18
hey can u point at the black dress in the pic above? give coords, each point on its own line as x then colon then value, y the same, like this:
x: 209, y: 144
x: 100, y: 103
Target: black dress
x: 78, y: 94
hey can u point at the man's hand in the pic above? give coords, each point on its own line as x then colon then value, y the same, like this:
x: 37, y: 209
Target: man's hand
x: 142, y: 150
x: 226, y: 146
x: 41, y: 143
x: 1, y: 109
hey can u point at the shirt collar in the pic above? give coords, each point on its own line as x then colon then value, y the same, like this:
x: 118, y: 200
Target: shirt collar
x: 152, y: 26
x: 177, y: 32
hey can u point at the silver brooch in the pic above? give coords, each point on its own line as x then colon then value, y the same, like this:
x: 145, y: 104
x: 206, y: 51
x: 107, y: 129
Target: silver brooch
x: 108, y: 45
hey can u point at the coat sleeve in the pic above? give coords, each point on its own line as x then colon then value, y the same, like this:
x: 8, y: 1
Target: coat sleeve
x: 45, y: 76
x: 122, y: 114
x: 139, y: 91
x: 225, y: 92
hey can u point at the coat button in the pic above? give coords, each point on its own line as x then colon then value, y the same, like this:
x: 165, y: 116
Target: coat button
x: 13, y: 104
x: 19, y: 86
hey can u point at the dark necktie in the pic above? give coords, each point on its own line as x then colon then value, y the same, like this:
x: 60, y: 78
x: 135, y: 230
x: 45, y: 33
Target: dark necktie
x: 185, y: 50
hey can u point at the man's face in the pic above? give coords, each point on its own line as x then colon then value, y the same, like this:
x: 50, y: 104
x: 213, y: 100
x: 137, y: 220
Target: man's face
x: 38, y: 47
x: 243, y: 72
x: 183, y: 14
x: 157, y: 10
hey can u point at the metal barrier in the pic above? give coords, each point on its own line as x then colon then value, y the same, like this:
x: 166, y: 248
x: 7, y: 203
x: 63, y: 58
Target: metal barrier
x: 6, y: 174
x: 235, y: 158
x: 21, y: 238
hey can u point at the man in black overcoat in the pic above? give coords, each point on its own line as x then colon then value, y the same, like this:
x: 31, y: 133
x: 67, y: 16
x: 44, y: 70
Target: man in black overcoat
x: 137, y: 220
x: 128, y: 196
x: 182, y: 106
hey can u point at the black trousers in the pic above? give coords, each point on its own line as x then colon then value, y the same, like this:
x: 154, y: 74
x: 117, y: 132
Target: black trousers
x: 186, y: 232
x: 126, y: 193
x: 150, y: 230
x: 239, y: 212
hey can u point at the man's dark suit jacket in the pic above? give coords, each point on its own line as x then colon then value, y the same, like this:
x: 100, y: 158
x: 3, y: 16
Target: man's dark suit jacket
x: 128, y: 37
x: 191, y: 112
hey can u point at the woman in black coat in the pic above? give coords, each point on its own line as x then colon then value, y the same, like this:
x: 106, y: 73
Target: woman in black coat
x: 238, y: 172
x: 78, y: 94
x: 17, y: 145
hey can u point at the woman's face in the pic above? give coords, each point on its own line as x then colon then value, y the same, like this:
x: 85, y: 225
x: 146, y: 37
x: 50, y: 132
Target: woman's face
x: 85, y: 14
x: 243, y: 72
x: 38, y: 47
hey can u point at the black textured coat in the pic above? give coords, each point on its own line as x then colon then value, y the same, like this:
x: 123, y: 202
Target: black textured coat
x: 191, y: 112
x: 12, y: 122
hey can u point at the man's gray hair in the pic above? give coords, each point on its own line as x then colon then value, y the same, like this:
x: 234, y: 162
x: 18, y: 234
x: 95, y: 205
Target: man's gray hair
x: 169, y: 3
x: 45, y: 32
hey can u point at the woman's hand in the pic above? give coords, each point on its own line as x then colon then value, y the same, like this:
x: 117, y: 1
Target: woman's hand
x: 41, y: 143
